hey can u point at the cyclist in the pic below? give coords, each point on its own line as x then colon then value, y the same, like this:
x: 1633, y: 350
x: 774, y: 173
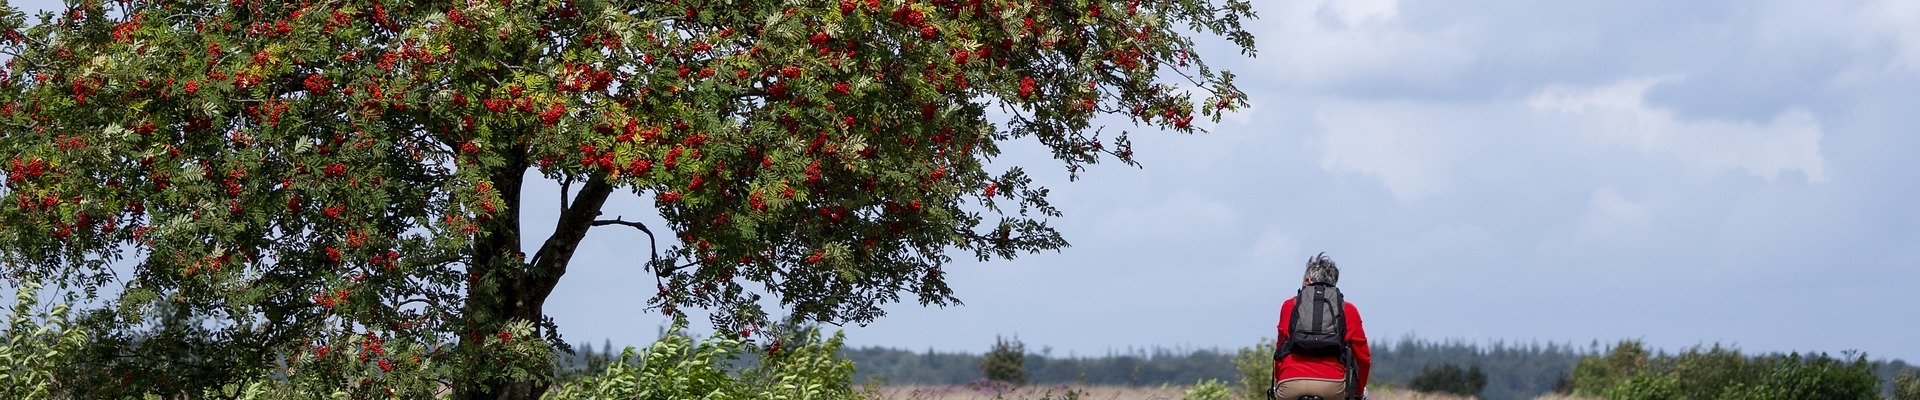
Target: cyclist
x: 1330, y: 360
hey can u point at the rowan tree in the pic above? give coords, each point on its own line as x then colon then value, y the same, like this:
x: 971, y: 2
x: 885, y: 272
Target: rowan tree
x: 332, y: 189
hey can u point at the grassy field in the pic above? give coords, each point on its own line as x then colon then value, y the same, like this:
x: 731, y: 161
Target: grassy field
x: 1110, y: 393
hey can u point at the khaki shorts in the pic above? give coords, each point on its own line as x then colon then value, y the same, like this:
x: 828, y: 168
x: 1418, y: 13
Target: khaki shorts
x: 1329, y: 389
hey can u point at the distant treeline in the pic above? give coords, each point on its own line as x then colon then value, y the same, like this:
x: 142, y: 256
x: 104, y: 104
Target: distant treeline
x: 1514, y: 371
x: 1150, y: 367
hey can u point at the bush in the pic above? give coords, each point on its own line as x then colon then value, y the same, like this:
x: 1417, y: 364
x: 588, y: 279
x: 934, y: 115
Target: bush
x: 1006, y: 362
x: 1593, y: 375
x: 1255, y: 367
x: 1209, y: 389
x: 1816, y: 377
x: 1627, y: 372
x: 1449, y: 378
x: 675, y: 367
x: 1906, y: 387
x: 1713, y: 372
x: 1644, y: 386
x: 39, y: 352
x: 32, y: 355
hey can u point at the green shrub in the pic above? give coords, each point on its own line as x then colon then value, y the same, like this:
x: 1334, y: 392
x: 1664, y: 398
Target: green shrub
x: 677, y: 367
x: 1906, y: 386
x: 1255, y: 367
x: 1593, y: 375
x: 1644, y: 386
x: 33, y: 355
x: 1209, y: 389
x: 1815, y: 377
x: 1722, y: 373
x: 1712, y: 372
x: 1005, y: 362
x: 810, y: 368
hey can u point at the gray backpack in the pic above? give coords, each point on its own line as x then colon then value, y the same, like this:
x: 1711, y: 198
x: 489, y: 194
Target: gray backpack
x: 1318, y: 328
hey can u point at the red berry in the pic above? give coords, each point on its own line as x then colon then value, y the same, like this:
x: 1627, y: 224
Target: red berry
x: 317, y: 84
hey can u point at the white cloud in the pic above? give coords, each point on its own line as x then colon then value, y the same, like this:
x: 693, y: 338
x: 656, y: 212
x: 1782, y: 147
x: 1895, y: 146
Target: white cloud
x: 1899, y: 24
x: 1412, y: 148
x: 1617, y: 115
x: 1610, y: 212
x: 1871, y: 40
x: 1337, y: 43
x: 1352, y: 13
x: 1274, y: 245
x: 1894, y: 24
x: 1180, y: 215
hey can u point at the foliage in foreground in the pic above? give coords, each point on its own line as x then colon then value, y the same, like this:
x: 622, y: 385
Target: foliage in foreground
x: 1209, y: 390
x: 39, y: 347
x: 33, y: 355
x: 1907, y: 386
x: 678, y: 367
x: 1628, y: 371
x: 1254, y: 365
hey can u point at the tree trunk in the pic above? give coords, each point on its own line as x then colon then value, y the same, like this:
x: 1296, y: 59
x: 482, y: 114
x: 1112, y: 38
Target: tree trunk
x: 523, y: 294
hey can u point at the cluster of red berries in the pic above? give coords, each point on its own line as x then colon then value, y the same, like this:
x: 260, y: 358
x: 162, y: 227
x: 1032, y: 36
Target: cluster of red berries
x: 849, y: 6
x: 578, y: 77
x: 372, y: 347
x: 553, y: 113
x: 328, y: 300
x: 28, y: 170
x: 81, y: 89
x: 317, y: 84
x: 756, y: 202
x: 907, y: 15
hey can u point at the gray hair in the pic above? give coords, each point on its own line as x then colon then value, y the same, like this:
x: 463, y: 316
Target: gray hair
x: 1320, y: 269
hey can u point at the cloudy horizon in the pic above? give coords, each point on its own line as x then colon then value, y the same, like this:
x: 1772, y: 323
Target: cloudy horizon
x: 1483, y: 171
x: 1683, y: 173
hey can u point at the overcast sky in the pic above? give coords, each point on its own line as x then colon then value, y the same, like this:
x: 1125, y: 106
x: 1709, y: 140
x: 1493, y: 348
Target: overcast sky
x: 1739, y: 172
x: 1736, y: 172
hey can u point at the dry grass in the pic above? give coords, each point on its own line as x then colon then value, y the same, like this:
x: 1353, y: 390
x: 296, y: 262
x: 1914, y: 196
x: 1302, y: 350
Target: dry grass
x: 1395, y: 394
x: 950, y: 392
x: 1564, y: 397
x: 1115, y: 393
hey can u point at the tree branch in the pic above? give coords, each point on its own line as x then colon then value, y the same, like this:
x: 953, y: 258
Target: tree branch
x: 652, y: 241
x: 566, y: 186
x: 558, y: 250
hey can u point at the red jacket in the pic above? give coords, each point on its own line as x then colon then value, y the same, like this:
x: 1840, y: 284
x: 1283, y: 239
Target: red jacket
x: 1299, y: 366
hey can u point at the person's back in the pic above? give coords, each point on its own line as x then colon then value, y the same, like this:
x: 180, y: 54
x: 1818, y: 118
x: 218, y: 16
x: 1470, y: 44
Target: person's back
x: 1297, y: 373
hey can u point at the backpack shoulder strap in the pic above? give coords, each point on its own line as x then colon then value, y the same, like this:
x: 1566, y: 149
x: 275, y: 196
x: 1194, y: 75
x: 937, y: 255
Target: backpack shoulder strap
x: 1293, y: 318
